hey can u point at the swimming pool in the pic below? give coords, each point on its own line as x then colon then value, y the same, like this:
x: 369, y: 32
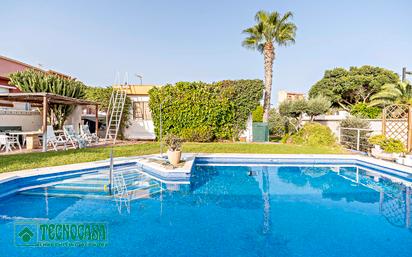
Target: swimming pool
x: 237, y: 208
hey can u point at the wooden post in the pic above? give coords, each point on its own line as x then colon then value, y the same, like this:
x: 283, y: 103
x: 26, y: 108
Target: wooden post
x: 97, y: 120
x: 44, y: 126
x: 409, y: 142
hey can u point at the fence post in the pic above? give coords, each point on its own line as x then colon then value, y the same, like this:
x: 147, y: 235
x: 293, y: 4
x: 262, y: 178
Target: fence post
x: 358, y: 140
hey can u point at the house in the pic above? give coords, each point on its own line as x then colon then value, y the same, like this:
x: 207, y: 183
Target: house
x: 141, y: 123
x: 18, y: 116
x: 289, y: 96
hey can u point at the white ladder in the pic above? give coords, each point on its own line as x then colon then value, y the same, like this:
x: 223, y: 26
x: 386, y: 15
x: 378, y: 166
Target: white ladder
x: 116, y: 105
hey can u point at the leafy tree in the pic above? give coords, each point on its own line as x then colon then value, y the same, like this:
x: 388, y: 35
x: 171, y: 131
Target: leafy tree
x: 363, y: 110
x: 102, y: 96
x: 347, y: 87
x: 293, y: 111
x: 400, y: 93
x: 317, y: 106
x: 31, y: 81
x: 271, y: 29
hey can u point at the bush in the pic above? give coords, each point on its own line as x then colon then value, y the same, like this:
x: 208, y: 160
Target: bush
x: 389, y: 145
x: 257, y: 115
x: 199, y: 134
x: 349, y: 137
x: 314, y: 134
x: 224, y: 107
x: 376, y: 140
x: 362, y: 110
x: 393, y: 146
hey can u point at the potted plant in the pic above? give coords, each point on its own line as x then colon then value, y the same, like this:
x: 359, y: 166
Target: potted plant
x: 174, y: 145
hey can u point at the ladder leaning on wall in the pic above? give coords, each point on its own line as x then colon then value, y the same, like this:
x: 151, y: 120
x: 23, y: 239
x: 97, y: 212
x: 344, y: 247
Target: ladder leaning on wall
x: 116, y: 105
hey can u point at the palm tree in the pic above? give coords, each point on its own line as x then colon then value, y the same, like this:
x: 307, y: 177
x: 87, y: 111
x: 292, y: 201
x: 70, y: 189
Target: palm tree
x: 400, y: 93
x: 271, y: 29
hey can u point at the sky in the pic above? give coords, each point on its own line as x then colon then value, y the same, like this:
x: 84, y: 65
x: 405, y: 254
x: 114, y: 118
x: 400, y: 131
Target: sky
x: 169, y: 41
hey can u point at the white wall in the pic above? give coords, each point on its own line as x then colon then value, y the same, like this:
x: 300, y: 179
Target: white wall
x: 75, y: 118
x: 139, y: 129
x: 333, y: 122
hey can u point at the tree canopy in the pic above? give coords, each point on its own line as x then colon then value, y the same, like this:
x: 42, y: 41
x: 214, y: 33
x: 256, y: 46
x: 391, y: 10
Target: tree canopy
x: 347, y: 87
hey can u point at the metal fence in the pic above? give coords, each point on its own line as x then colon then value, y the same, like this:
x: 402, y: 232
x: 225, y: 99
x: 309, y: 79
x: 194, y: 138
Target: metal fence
x: 355, y: 138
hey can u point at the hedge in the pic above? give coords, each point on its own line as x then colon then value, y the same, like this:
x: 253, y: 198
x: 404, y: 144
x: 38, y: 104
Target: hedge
x: 204, y: 112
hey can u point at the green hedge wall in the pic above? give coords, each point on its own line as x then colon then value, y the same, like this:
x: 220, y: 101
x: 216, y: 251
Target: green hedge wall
x: 217, y: 111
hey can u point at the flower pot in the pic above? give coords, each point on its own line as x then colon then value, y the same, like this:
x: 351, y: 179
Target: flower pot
x: 174, y: 157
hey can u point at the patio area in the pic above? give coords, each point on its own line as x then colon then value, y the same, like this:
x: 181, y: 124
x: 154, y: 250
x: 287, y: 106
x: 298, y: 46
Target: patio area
x: 18, y: 141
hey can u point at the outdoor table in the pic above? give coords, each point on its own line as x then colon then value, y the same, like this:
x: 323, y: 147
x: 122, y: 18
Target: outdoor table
x: 32, y: 138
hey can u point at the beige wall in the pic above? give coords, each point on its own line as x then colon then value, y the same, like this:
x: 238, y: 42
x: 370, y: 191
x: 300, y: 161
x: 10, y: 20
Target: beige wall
x: 28, y: 120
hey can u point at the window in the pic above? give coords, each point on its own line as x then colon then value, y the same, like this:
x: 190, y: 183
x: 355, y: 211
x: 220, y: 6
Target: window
x: 141, y: 111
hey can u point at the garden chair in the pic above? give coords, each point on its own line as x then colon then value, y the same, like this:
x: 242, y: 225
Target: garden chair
x: 54, y: 140
x: 87, y: 135
x: 8, y: 143
x: 73, y: 138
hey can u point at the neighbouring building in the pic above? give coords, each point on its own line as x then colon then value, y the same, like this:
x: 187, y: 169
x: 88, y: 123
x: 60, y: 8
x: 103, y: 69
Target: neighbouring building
x: 289, y: 96
x: 17, y: 116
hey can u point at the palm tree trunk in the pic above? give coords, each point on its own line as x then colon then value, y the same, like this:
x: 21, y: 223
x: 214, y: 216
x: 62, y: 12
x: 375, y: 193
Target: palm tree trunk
x: 269, y: 56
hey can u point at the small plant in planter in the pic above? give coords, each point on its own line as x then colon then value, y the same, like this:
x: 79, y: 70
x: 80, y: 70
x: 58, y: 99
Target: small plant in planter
x: 174, y: 145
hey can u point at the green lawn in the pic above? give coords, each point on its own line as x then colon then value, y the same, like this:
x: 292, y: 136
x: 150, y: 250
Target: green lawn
x: 38, y: 160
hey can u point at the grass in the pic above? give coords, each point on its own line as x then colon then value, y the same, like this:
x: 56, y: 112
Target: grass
x: 38, y: 160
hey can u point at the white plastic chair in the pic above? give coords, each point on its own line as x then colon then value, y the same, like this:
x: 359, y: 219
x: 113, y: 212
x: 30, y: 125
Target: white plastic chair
x: 87, y: 135
x: 73, y: 138
x: 54, y: 140
x: 8, y: 143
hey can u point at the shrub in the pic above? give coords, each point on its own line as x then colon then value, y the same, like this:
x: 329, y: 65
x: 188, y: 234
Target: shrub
x: 199, y: 134
x: 173, y: 142
x: 376, y: 140
x: 277, y: 124
x: 257, y: 115
x: 362, y: 110
x: 393, y: 146
x: 314, y: 134
x: 224, y: 106
x: 349, y: 137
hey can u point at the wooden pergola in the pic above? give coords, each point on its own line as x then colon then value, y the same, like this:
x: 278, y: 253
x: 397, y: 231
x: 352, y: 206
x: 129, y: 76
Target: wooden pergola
x: 44, y: 100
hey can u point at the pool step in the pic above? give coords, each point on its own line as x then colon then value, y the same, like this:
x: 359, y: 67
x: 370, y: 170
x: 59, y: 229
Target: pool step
x: 93, y: 186
x: 136, y: 192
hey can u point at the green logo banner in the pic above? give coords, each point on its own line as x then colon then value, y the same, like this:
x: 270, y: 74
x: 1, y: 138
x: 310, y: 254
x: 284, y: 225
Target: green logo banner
x: 65, y: 234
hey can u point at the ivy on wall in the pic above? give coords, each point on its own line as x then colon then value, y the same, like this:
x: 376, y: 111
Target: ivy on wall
x: 215, y: 111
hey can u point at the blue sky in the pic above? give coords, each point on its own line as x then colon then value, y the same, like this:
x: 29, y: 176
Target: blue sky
x: 169, y: 41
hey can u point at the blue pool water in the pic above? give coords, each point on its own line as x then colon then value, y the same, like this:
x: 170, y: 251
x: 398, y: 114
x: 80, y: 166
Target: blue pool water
x: 236, y: 211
